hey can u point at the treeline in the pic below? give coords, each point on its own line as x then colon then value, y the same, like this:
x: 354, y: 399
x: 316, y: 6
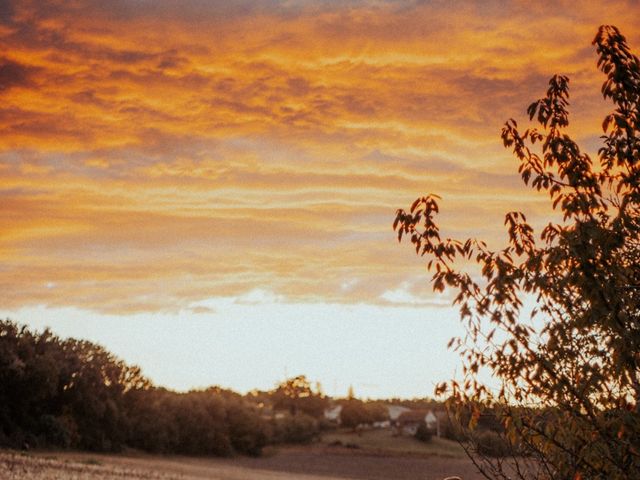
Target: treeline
x: 68, y: 393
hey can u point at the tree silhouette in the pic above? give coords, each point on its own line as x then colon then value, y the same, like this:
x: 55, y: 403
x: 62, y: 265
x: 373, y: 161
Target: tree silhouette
x: 75, y: 394
x: 569, y: 370
x: 297, y: 395
x: 354, y: 413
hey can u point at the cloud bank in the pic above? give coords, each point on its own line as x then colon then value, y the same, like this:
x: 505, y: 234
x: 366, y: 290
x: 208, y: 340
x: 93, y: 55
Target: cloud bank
x: 155, y: 155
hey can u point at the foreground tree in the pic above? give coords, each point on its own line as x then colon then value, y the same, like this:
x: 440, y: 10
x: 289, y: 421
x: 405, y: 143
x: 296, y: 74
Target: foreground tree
x: 570, y: 369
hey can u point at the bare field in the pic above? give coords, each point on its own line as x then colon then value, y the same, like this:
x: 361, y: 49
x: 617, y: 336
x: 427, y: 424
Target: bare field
x: 309, y: 463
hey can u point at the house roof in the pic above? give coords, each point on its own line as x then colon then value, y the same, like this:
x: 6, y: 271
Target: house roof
x: 396, y: 410
x: 333, y: 413
x: 413, y: 416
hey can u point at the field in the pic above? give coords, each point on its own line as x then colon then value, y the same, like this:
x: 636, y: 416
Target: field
x: 382, y: 441
x: 375, y: 458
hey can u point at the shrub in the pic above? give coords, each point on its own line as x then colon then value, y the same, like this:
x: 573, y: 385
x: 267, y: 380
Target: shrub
x: 299, y: 428
x: 422, y: 433
x: 492, y: 444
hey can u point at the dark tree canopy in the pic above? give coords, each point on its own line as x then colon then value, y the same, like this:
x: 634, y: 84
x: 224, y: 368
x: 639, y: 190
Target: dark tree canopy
x: 354, y: 413
x: 569, y: 370
x: 298, y: 395
x: 69, y: 393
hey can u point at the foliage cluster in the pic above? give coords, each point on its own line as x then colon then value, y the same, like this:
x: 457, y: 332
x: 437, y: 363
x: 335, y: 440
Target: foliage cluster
x: 298, y: 428
x: 297, y: 395
x: 355, y: 412
x: 569, y: 371
x: 423, y: 433
x: 75, y: 394
x: 62, y: 392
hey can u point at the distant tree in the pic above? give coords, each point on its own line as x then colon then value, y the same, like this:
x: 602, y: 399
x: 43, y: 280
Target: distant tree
x: 210, y: 422
x: 570, y: 370
x: 93, y: 392
x: 376, y: 411
x: 354, y: 413
x: 65, y: 393
x: 350, y: 393
x: 247, y: 431
x: 298, y: 428
x: 76, y: 394
x: 297, y: 395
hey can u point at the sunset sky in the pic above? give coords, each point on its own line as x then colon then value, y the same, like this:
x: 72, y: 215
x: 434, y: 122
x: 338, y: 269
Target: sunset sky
x: 207, y: 187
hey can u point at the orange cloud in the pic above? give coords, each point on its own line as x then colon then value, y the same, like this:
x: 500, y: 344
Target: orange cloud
x: 153, y: 155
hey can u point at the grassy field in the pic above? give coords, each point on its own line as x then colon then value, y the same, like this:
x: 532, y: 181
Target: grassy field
x: 316, y: 462
x: 383, y: 441
x: 79, y: 466
x: 374, y: 460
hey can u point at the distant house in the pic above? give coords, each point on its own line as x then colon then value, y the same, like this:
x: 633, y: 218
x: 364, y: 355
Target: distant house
x: 431, y: 421
x: 394, y: 413
x: 332, y: 414
x: 408, y: 422
x: 381, y: 424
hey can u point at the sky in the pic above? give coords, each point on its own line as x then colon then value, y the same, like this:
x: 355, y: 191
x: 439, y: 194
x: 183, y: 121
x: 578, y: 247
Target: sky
x: 207, y: 188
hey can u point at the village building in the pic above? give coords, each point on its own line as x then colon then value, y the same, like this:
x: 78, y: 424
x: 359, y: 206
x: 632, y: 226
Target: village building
x: 332, y: 414
x: 394, y: 413
x: 409, y: 422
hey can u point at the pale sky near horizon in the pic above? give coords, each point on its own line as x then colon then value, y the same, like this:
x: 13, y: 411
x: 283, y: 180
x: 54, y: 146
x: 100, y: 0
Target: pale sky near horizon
x: 207, y: 187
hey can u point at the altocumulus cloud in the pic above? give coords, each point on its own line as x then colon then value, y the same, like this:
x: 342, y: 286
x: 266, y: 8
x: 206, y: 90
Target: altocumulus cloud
x: 156, y: 154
